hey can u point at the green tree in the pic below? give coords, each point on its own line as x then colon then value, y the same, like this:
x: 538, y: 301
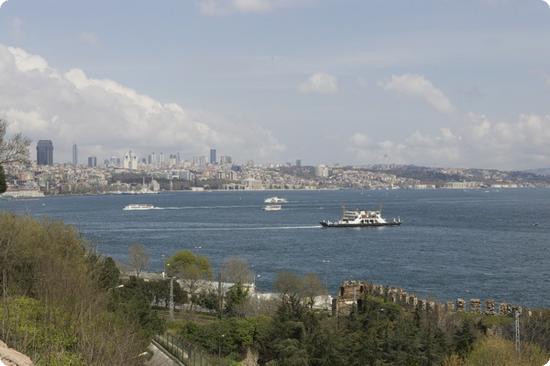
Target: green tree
x: 464, y: 338
x: 234, y: 298
x: 191, y: 269
x: 109, y: 275
x: 290, y: 288
x: 3, y: 185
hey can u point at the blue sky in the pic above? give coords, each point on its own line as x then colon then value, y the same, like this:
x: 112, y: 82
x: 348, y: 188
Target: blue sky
x: 445, y: 83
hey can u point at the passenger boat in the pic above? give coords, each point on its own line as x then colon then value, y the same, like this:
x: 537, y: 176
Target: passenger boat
x: 275, y: 200
x: 356, y: 218
x: 138, y: 207
x: 273, y: 208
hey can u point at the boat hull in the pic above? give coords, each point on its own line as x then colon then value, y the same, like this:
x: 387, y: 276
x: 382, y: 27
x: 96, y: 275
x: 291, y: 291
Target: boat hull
x: 340, y: 225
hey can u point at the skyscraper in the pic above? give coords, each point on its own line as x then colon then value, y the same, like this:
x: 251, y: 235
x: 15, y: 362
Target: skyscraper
x: 213, y: 156
x: 92, y: 162
x: 75, y: 155
x: 130, y: 161
x: 44, y: 152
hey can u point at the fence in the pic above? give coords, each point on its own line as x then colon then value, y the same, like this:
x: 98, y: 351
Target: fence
x: 189, y: 354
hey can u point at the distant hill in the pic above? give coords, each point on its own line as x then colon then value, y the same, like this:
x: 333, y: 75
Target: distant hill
x: 545, y: 172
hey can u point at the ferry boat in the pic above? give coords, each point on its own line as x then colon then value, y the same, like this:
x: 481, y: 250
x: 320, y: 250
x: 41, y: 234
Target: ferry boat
x: 273, y: 208
x: 356, y: 218
x: 138, y: 207
x: 275, y: 200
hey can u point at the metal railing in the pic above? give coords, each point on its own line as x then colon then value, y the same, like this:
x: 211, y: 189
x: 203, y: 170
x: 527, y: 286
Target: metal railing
x: 188, y: 353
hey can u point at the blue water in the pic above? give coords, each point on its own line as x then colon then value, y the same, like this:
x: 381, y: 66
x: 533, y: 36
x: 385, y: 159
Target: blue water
x: 451, y: 244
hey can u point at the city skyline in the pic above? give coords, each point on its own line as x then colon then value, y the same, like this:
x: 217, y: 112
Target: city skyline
x: 456, y: 84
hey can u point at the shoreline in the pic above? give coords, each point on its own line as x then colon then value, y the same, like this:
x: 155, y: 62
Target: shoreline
x: 9, y: 198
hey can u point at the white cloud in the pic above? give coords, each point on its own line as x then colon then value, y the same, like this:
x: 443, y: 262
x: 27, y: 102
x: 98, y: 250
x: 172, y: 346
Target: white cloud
x: 105, y: 117
x: 479, y: 142
x: 89, y: 38
x: 2, y: 2
x: 321, y: 83
x: 547, y: 2
x: 226, y: 7
x: 419, y: 87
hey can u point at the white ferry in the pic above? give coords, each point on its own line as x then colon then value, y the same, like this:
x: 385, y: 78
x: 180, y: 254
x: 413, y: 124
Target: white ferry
x: 358, y: 218
x: 273, y: 208
x: 275, y: 200
x: 138, y: 207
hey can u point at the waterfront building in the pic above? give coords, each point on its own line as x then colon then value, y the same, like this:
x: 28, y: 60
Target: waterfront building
x: 213, y: 156
x: 92, y: 162
x: 75, y: 155
x: 44, y: 152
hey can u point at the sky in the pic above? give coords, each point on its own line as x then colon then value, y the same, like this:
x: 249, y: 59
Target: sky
x: 443, y: 83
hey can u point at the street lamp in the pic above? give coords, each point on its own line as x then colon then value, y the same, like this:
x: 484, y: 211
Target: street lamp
x: 171, y: 304
x: 220, y: 347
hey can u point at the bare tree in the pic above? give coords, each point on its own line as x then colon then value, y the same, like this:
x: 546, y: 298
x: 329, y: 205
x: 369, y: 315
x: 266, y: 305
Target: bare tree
x: 14, y: 149
x: 237, y: 271
x: 139, y: 259
x: 312, y: 286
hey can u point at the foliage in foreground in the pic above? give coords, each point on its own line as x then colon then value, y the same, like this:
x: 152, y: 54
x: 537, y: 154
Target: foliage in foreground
x: 376, y: 333
x: 61, y: 304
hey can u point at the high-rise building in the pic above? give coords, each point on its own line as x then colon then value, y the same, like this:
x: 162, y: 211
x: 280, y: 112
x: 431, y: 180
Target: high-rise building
x: 225, y: 159
x: 172, y: 160
x: 130, y: 161
x: 322, y: 171
x: 213, y: 159
x: 75, y: 155
x: 298, y: 163
x: 44, y: 152
x: 92, y: 161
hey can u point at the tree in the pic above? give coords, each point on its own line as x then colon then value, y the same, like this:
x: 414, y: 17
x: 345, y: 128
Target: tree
x: 311, y: 288
x: 139, y: 259
x: 3, y: 186
x: 235, y: 298
x: 109, y: 275
x: 464, y: 338
x: 191, y: 269
x: 14, y: 149
x: 236, y: 271
x: 290, y: 287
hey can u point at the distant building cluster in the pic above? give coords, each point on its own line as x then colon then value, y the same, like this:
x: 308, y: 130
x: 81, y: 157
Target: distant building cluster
x: 159, y: 171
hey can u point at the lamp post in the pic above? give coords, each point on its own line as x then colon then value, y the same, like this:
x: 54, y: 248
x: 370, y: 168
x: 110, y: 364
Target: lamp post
x: 220, y: 348
x: 171, y: 301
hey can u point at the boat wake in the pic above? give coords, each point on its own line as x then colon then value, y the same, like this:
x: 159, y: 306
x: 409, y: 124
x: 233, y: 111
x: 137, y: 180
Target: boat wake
x: 229, y: 228
x: 203, y: 207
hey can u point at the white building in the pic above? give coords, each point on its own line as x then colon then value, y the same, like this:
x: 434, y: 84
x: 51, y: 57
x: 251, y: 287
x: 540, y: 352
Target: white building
x: 130, y: 161
x: 321, y: 171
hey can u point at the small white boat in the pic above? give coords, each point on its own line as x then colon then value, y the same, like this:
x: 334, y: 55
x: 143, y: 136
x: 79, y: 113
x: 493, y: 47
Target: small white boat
x: 273, y: 207
x: 138, y: 207
x: 275, y: 200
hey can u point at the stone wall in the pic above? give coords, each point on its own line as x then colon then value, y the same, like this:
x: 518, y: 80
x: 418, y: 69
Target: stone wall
x: 351, y: 292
